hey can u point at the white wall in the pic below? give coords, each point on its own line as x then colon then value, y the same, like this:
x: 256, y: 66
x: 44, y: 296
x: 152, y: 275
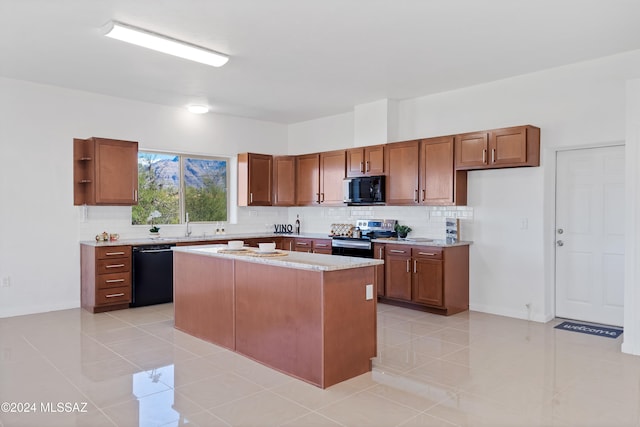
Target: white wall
x: 39, y: 226
x: 512, y: 258
x: 631, y: 337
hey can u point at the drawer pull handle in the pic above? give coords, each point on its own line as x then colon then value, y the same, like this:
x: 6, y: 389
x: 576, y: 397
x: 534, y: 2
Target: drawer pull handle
x: 427, y: 253
x: 302, y: 244
x: 396, y: 251
x: 115, y: 280
x: 114, y: 266
x: 121, y: 294
x: 322, y: 245
x: 114, y: 253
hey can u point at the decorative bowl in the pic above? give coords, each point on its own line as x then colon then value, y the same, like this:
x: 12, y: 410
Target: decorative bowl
x: 235, y: 244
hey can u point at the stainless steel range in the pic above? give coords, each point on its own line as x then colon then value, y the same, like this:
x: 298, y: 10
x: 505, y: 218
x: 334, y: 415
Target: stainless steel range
x: 357, y: 241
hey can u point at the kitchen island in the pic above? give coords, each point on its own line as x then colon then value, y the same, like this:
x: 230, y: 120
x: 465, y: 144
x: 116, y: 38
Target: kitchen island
x: 311, y: 316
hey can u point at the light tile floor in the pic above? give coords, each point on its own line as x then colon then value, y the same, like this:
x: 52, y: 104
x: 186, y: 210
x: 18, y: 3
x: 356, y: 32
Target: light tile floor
x: 132, y: 368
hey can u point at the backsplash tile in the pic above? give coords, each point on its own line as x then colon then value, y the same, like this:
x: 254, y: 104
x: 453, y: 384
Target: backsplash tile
x: 426, y: 221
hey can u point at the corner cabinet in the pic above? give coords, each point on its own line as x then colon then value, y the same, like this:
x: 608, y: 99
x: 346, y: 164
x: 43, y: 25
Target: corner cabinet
x: 255, y: 173
x: 498, y: 148
x: 429, y: 278
x: 105, y: 172
x: 105, y: 276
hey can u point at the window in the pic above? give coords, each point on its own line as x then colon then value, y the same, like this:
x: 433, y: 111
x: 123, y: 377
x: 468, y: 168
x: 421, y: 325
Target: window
x: 174, y: 184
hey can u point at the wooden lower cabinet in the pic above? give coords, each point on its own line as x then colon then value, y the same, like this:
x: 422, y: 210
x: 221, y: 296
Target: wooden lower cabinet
x: 430, y: 278
x: 316, y: 246
x: 105, y: 276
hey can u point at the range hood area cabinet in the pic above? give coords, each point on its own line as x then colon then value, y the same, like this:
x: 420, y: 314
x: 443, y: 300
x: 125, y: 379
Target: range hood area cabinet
x: 105, y: 172
x: 421, y: 172
x: 365, y: 161
x: 498, y: 148
x: 319, y: 178
x: 255, y: 172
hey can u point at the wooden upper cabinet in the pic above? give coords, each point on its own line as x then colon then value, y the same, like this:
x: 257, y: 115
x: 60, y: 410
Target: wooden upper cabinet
x: 499, y: 148
x: 402, y: 162
x: 440, y: 184
x: 105, y: 172
x: 332, y: 174
x: 284, y: 181
x: 365, y: 161
x: 308, y: 180
x: 319, y: 178
x: 255, y: 172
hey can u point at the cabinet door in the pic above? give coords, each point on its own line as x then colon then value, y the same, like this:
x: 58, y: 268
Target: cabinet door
x: 471, y: 150
x: 517, y: 146
x: 286, y: 244
x: 436, y: 171
x: 365, y: 161
x: 284, y: 181
x: 402, y: 164
x: 116, y: 172
x: 379, y: 253
x: 374, y: 160
x: 332, y: 174
x: 254, y: 179
x: 355, y: 162
x: 427, y: 281
x: 398, y: 272
x: 308, y: 180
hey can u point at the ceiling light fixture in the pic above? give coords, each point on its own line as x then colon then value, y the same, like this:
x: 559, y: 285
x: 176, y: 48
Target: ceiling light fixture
x: 160, y: 43
x: 198, y: 109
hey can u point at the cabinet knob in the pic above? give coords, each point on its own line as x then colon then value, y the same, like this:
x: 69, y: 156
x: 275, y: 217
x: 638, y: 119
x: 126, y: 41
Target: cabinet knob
x: 560, y: 243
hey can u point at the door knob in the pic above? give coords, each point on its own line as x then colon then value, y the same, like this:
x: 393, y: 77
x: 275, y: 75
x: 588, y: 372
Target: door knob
x: 560, y: 243
x: 560, y: 230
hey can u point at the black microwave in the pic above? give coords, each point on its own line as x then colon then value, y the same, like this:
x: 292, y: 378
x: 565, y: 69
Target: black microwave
x: 366, y: 190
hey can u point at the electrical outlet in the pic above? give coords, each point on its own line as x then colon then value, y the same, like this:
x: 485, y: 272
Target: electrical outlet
x: 6, y: 281
x: 369, y: 292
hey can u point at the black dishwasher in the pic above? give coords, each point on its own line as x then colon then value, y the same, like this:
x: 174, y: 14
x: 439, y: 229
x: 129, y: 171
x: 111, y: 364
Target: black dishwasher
x: 152, y: 275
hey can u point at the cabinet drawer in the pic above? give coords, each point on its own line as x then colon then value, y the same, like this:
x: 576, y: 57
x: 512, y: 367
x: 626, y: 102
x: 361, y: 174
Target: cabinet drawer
x: 398, y: 250
x: 107, y: 252
x: 322, y: 244
x: 429, y: 252
x: 113, y: 280
x: 116, y: 265
x: 113, y: 295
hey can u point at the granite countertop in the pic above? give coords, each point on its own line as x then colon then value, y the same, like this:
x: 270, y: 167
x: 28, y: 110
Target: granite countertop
x: 418, y: 241
x: 201, y: 238
x: 298, y: 260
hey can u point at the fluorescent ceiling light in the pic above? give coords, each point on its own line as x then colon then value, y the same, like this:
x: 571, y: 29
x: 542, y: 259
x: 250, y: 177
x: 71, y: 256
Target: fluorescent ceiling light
x: 198, y: 109
x: 160, y: 43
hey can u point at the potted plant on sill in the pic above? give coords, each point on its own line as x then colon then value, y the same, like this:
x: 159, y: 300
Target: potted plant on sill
x: 402, y: 230
x: 154, y: 230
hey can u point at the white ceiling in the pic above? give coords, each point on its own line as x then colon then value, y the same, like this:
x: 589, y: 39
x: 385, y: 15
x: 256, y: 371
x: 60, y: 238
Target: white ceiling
x: 295, y: 60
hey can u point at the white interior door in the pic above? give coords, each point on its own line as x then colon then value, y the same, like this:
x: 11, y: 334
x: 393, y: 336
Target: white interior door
x: 590, y: 235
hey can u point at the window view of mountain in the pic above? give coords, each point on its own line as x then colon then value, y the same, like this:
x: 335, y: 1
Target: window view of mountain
x: 160, y: 178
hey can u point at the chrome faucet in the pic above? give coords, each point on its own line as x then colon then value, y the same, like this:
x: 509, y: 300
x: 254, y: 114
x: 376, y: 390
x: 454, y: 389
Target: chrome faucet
x: 188, y: 232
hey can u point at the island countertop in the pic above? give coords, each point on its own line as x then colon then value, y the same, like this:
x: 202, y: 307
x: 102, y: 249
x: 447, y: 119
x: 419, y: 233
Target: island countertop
x: 298, y: 260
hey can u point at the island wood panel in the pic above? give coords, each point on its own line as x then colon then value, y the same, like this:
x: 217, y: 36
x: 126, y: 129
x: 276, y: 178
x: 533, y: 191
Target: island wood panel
x: 295, y: 321
x: 349, y: 324
x: 203, y: 297
x: 279, y: 318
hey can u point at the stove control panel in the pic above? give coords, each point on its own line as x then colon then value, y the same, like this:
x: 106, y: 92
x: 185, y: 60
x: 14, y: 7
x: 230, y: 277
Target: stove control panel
x: 376, y: 224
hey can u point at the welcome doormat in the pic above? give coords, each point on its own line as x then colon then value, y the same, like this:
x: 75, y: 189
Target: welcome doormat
x: 584, y: 328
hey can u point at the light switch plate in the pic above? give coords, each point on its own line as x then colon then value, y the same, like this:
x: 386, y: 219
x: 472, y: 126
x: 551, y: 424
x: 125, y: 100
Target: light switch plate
x: 369, y: 292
